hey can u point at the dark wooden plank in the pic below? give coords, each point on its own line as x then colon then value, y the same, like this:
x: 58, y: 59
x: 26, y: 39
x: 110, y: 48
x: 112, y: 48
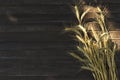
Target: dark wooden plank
x: 19, y: 2
x: 48, y: 17
x: 43, y: 19
x: 46, y: 9
x: 24, y: 77
x: 26, y: 18
x: 45, y: 77
x: 41, y: 36
x: 39, y: 9
x: 103, y: 1
x: 36, y: 54
x: 51, y: 27
x: 34, y: 46
x: 32, y: 28
x: 4, y: 21
x: 33, y: 36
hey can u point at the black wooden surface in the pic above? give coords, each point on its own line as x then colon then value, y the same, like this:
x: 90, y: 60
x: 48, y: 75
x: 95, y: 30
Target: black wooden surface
x: 33, y: 45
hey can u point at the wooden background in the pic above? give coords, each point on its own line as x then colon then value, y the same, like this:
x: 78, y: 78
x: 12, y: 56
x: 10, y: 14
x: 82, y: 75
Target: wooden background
x: 33, y: 45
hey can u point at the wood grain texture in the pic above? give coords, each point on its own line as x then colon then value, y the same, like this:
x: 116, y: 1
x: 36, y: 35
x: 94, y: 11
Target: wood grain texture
x: 33, y: 44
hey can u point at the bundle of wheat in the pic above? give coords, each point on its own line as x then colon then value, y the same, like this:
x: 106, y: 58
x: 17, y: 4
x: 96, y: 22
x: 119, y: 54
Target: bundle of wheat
x: 97, y: 52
